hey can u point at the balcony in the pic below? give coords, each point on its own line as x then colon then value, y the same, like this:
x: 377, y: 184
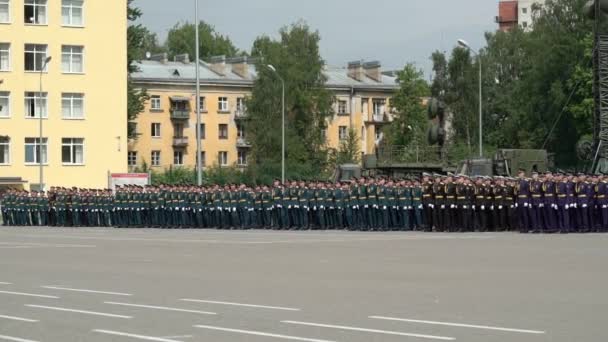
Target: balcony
x: 180, y: 114
x: 180, y: 141
x: 377, y: 119
x: 242, y: 142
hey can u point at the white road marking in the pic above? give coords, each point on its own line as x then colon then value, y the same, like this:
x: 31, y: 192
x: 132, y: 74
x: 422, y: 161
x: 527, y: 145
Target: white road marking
x: 54, y: 287
x: 179, y: 336
x: 162, y: 308
x: 3, y: 283
x: 94, y: 313
x: 474, y: 326
x: 135, y: 336
x: 239, y: 304
x: 29, y: 294
x: 13, y: 318
x: 15, y: 247
x: 33, y: 244
x: 259, y: 333
x: 14, y: 339
x: 376, y: 331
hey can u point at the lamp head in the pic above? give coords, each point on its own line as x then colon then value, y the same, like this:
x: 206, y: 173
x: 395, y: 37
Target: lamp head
x: 272, y: 68
x: 463, y: 43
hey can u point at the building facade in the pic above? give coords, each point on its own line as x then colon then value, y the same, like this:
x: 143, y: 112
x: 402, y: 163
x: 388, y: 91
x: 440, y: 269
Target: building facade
x: 512, y: 13
x: 167, y: 127
x: 80, y: 95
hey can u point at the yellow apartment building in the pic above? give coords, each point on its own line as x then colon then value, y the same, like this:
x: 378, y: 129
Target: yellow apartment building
x: 167, y: 127
x: 83, y: 99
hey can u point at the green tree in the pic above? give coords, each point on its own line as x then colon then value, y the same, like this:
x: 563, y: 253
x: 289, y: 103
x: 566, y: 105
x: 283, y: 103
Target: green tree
x: 181, y: 39
x: 136, y: 98
x: 349, y: 151
x: 410, y: 120
x: 297, y: 60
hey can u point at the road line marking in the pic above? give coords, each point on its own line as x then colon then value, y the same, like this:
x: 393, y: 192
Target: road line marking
x: 29, y: 294
x: 78, y: 311
x: 385, y: 332
x: 14, y: 339
x: 135, y: 336
x: 474, y: 326
x: 3, y: 283
x: 84, y: 290
x: 180, y: 336
x: 259, y: 333
x: 239, y: 304
x: 162, y: 308
x: 19, y: 319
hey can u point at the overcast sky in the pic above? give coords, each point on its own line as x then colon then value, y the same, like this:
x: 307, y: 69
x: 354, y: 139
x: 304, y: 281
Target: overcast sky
x: 392, y: 31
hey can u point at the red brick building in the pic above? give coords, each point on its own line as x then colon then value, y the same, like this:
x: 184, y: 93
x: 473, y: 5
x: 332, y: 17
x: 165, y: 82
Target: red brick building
x: 507, y: 15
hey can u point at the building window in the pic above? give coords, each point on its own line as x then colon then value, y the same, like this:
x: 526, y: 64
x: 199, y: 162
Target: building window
x: 203, y: 158
x: 132, y: 158
x: 5, y: 150
x: 223, y: 130
x: 132, y: 128
x: 342, y: 132
x: 379, y: 106
x: 36, y: 152
x: 155, y: 158
x: 5, y: 56
x: 5, y: 13
x: 155, y: 128
x: 524, y: 10
x: 35, y: 55
x: 71, y: 12
x: 202, y: 131
x: 178, y: 158
x: 378, y: 131
x: 155, y: 102
x: 72, y: 151
x: 240, y: 105
x: 324, y: 133
x: 222, y: 104
x: 5, y: 104
x: 242, y: 158
x: 35, y: 12
x: 240, y: 131
x: 36, y: 106
x: 72, y: 105
x: 202, y: 104
x: 72, y: 59
x: 342, y: 107
x: 178, y: 130
x: 365, y: 106
x: 222, y: 157
x: 524, y: 24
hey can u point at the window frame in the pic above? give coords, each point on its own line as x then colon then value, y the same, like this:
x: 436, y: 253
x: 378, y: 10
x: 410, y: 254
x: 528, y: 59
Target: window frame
x: 8, y: 11
x: 155, y: 99
x: 155, y: 158
x: 44, y: 146
x: 239, y: 157
x: 342, y: 107
x: 178, y: 156
x: 131, y: 154
x: 202, y: 102
x: 35, y: 97
x: 342, y: 133
x: 71, y: 55
x: 6, y: 144
x: 73, y: 97
x: 72, y: 144
x: 8, y: 56
x: 35, y: 5
x: 71, y: 9
x: 203, y: 131
x: 219, y: 131
x: 8, y: 104
x: 155, y: 127
x: 220, y: 101
x: 35, y: 52
x: 222, y: 161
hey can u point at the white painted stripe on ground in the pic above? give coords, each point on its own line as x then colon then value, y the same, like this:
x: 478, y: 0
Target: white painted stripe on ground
x: 93, y: 313
x: 29, y: 294
x: 259, y: 333
x: 376, y: 331
x: 179, y: 336
x: 239, y: 304
x: 3, y: 283
x: 13, y: 318
x: 135, y: 336
x: 14, y: 339
x: 473, y: 326
x: 16, y: 247
x: 162, y: 308
x: 54, y: 287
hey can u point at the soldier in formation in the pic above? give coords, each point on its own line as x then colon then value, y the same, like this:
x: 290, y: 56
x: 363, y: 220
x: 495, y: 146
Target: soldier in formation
x: 454, y: 203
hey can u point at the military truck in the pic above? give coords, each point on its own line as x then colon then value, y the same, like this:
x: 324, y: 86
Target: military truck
x: 507, y: 162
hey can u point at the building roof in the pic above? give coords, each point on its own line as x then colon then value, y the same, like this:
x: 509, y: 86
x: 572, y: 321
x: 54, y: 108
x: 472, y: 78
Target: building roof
x: 151, y: 71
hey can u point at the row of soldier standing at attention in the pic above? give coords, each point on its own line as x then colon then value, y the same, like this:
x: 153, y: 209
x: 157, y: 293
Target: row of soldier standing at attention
x: 546, y: 203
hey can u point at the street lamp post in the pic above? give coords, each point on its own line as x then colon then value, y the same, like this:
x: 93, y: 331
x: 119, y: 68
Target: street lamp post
x: 466, y: 45
x: 199, y: 162
x: 40, y: 163
x: 282, y: 122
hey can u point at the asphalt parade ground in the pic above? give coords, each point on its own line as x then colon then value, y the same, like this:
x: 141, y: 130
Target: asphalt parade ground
x: 59, y: 285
